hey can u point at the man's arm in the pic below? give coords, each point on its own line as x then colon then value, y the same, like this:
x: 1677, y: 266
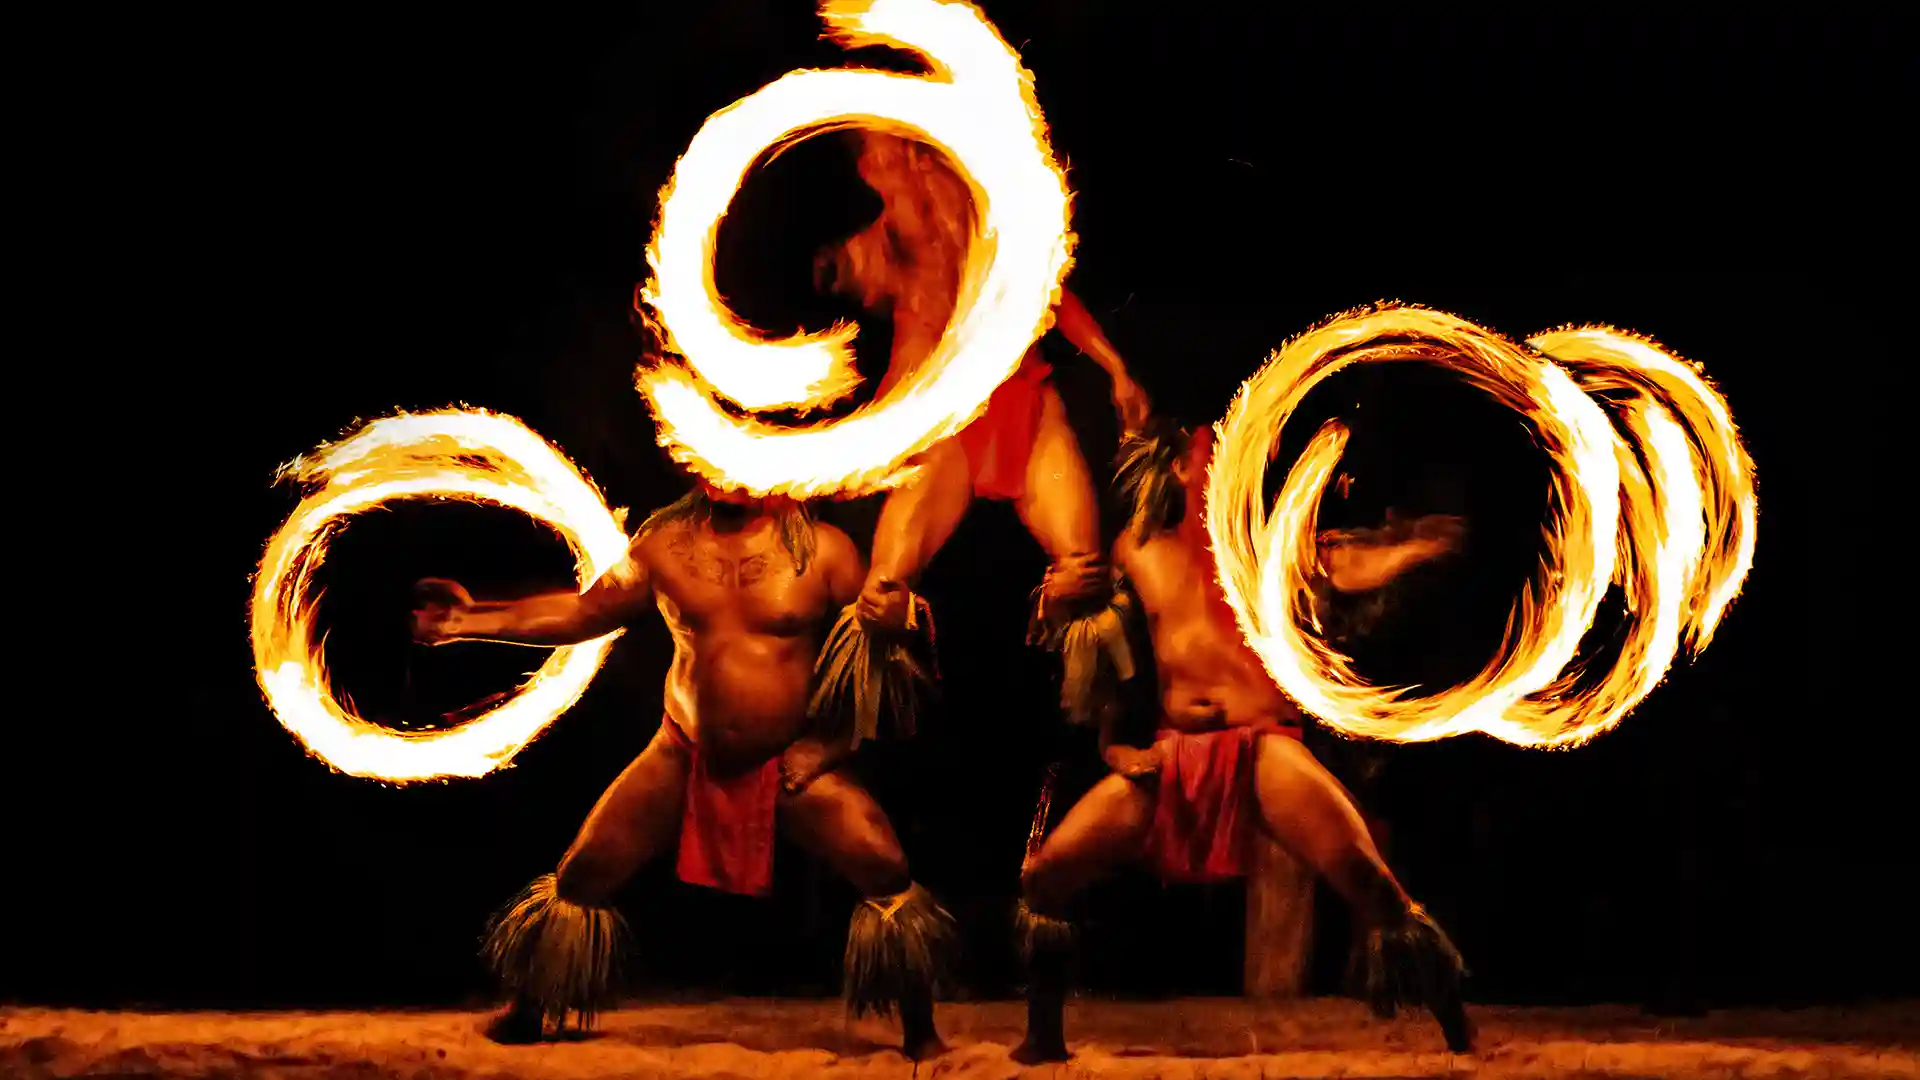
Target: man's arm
x: 823, y: 750
x: 1078, y: 326
x: 1129, y: 761
x: 916, y: 521
x: 1122, y: 553
x: 1133, y: 762
x: 446, y: 613
x: 840, y: 563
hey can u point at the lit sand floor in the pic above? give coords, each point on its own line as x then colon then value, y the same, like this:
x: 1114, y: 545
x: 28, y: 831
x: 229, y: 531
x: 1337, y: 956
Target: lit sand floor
x: 1171, y: 1040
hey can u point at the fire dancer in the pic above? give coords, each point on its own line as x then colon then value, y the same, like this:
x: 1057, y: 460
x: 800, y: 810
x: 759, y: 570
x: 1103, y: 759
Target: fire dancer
x: 907, y: 265
x: 1228, y: 756
x: 747, y: 588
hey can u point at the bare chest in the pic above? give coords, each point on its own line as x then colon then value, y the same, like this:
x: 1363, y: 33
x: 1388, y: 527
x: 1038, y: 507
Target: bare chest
x: 1174, y: 580
x: 1188, y: 613
x: 747, y: 585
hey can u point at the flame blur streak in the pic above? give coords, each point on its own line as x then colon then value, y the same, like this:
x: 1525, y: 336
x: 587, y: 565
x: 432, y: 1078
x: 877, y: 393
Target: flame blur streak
x: 977, y: 107
x: 1663, y: 503
x: 1665, y: 389
x: 453, y: 454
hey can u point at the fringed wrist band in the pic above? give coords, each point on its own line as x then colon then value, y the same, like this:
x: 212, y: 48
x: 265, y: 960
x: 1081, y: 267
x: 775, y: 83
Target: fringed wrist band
x: 860, y: 674
x: 1090, y: 632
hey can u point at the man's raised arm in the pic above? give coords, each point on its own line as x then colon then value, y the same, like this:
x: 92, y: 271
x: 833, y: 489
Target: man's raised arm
x: 445, y: 612
x: 1078, y: 326
x: 841, y: 563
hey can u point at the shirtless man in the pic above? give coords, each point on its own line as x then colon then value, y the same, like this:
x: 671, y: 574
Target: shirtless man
x: 907, y: 265
x: 1227, y: 756
x: 747, y: 588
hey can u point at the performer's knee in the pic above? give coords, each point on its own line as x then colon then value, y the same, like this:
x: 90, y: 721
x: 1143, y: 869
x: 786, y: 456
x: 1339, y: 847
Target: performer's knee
x: 587, y: 878
x: 1041, y: 885
x: 889, y: 871
x: 880, y: 866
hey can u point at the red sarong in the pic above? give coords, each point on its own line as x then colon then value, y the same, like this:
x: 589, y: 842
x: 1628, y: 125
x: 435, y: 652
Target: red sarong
x: 1206, y: 812
x: 726, y: 826
x: 999, y: 443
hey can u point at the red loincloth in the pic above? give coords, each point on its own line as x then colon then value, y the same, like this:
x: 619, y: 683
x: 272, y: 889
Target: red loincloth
x: 999, y: 443
x: 726, y: 826
x: 1205, y: 815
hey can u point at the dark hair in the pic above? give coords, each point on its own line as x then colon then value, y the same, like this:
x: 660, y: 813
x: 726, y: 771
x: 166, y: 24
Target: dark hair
x: 1145, y: 480
x: 796, y: 523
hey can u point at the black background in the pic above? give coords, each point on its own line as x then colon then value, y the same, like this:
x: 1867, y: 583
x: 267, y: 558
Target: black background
x: 364, y: 214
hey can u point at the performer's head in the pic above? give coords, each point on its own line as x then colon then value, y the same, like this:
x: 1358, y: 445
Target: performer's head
x: 1191, y: 466
x: 732, y: 507
x: 729, y: 508
x: 913, y: 254
x: 1160, y: 473
x: 732, y: 497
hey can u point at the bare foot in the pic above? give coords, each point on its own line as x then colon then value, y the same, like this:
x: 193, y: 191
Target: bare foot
x: 1038, y: 1051
x: 518, y: 1026
x: 919, y: 1037
x: 1415, y: 963
x: 924, y: 1048
x: 1455, y: 1026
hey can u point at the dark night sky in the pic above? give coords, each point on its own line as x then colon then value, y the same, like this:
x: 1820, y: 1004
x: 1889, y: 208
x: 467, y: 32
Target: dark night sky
x: 373, y: 215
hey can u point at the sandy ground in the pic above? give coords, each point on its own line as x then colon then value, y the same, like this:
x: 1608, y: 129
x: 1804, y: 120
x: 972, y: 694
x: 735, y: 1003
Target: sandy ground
x: 1182, y: 1040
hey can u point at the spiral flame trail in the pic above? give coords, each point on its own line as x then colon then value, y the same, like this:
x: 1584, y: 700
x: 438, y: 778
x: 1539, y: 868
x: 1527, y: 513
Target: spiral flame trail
x: 1676, y: 532
x: 469, y: 455
x: 978, y: 107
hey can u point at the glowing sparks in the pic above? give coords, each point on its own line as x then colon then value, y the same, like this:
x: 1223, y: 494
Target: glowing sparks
x: 1677, y: 532
x: 467, y: 455
x: 977, y: 107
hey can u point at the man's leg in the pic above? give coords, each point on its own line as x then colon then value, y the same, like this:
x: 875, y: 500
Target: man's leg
x: 1076, y: 614
x: 898, y: 940
x: 1308, y: 812
x: 555, y: 946
x: 915, y: 521
x: 1060, y: 506
x: 1104, y: 829
x: 919, y: 517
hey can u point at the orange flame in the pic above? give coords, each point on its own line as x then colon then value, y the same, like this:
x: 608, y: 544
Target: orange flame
x: 1678, y: 533
x: 977, y: 107
x: 452, y: 454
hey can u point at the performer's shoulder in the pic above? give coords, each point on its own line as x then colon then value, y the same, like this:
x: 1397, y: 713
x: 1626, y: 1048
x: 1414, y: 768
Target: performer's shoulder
x: 1134, y: 554
x: 655, y: 530
x: 832, y: 541
x: 660, y: 534
x: 671, y: 517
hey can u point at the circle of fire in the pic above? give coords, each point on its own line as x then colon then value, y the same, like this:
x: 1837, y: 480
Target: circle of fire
x: 1661, y: 502
x: 452, y: 454
x: 978, y: 107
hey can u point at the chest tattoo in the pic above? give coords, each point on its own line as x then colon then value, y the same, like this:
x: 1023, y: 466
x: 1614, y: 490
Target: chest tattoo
x: 714, y: 569
x: 753, y: 569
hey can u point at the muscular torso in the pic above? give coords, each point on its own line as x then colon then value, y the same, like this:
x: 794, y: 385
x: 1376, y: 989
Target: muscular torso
x: 1209, y: 677
x: 746, y: 632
